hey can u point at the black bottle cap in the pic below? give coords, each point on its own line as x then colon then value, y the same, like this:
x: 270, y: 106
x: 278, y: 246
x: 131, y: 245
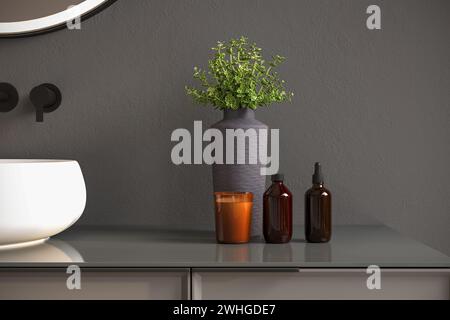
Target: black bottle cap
x: 278, y: 177
x: 317, y: 177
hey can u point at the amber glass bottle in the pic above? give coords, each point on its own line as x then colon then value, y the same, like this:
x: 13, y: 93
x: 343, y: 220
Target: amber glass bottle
x: 277, y: 212
x: 318, y: 209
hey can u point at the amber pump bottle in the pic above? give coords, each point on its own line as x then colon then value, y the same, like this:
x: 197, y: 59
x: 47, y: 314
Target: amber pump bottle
x: 318, y: 209
x: 277, y: 212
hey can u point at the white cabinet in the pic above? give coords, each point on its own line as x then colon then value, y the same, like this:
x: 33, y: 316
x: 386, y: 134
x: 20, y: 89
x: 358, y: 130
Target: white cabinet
x: 136, y: 263
x: 223, y: 283
x: 282, y: 283
x: 123, y: 283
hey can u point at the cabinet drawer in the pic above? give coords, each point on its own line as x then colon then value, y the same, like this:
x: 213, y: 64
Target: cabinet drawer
x: 95, y: 284
x: 319, y: 284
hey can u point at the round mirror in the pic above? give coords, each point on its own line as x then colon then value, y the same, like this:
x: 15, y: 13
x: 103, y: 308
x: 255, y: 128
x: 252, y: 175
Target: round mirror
x: 29, y: 17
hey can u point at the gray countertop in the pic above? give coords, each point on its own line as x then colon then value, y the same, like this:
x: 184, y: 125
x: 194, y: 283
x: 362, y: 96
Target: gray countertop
x: 351, y: 246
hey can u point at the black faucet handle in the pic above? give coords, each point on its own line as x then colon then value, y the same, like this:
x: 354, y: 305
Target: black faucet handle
x: 8, y: 97
x: 46, y: 98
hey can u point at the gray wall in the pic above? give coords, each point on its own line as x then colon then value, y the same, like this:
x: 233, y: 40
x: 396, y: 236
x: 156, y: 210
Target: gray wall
x: 372, y: 106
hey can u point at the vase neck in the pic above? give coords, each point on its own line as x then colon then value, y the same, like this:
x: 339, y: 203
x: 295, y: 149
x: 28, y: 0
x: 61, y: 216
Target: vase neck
x: 241, y: 113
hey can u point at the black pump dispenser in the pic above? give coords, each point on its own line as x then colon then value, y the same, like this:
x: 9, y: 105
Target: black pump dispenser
x: 317, y: 177
x: 277, y: 177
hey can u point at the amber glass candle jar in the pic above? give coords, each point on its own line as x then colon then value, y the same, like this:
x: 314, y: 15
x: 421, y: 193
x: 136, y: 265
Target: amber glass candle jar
x: 233, y: 216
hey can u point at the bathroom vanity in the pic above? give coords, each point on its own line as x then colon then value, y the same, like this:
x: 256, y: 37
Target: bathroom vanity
x: 131, y: 263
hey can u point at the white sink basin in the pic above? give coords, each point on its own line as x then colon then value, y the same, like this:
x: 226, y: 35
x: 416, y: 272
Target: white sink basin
x: 39, y: 198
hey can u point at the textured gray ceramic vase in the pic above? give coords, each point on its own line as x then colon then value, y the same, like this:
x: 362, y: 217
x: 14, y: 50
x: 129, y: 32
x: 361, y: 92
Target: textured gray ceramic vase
x: 241, y: 177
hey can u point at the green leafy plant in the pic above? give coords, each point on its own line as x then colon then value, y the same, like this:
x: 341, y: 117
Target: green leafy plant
x: 239, y: 77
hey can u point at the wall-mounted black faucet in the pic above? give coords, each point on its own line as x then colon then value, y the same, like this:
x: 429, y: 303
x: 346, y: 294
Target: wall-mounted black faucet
x: 8, y: 97
x: 46, y: 98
